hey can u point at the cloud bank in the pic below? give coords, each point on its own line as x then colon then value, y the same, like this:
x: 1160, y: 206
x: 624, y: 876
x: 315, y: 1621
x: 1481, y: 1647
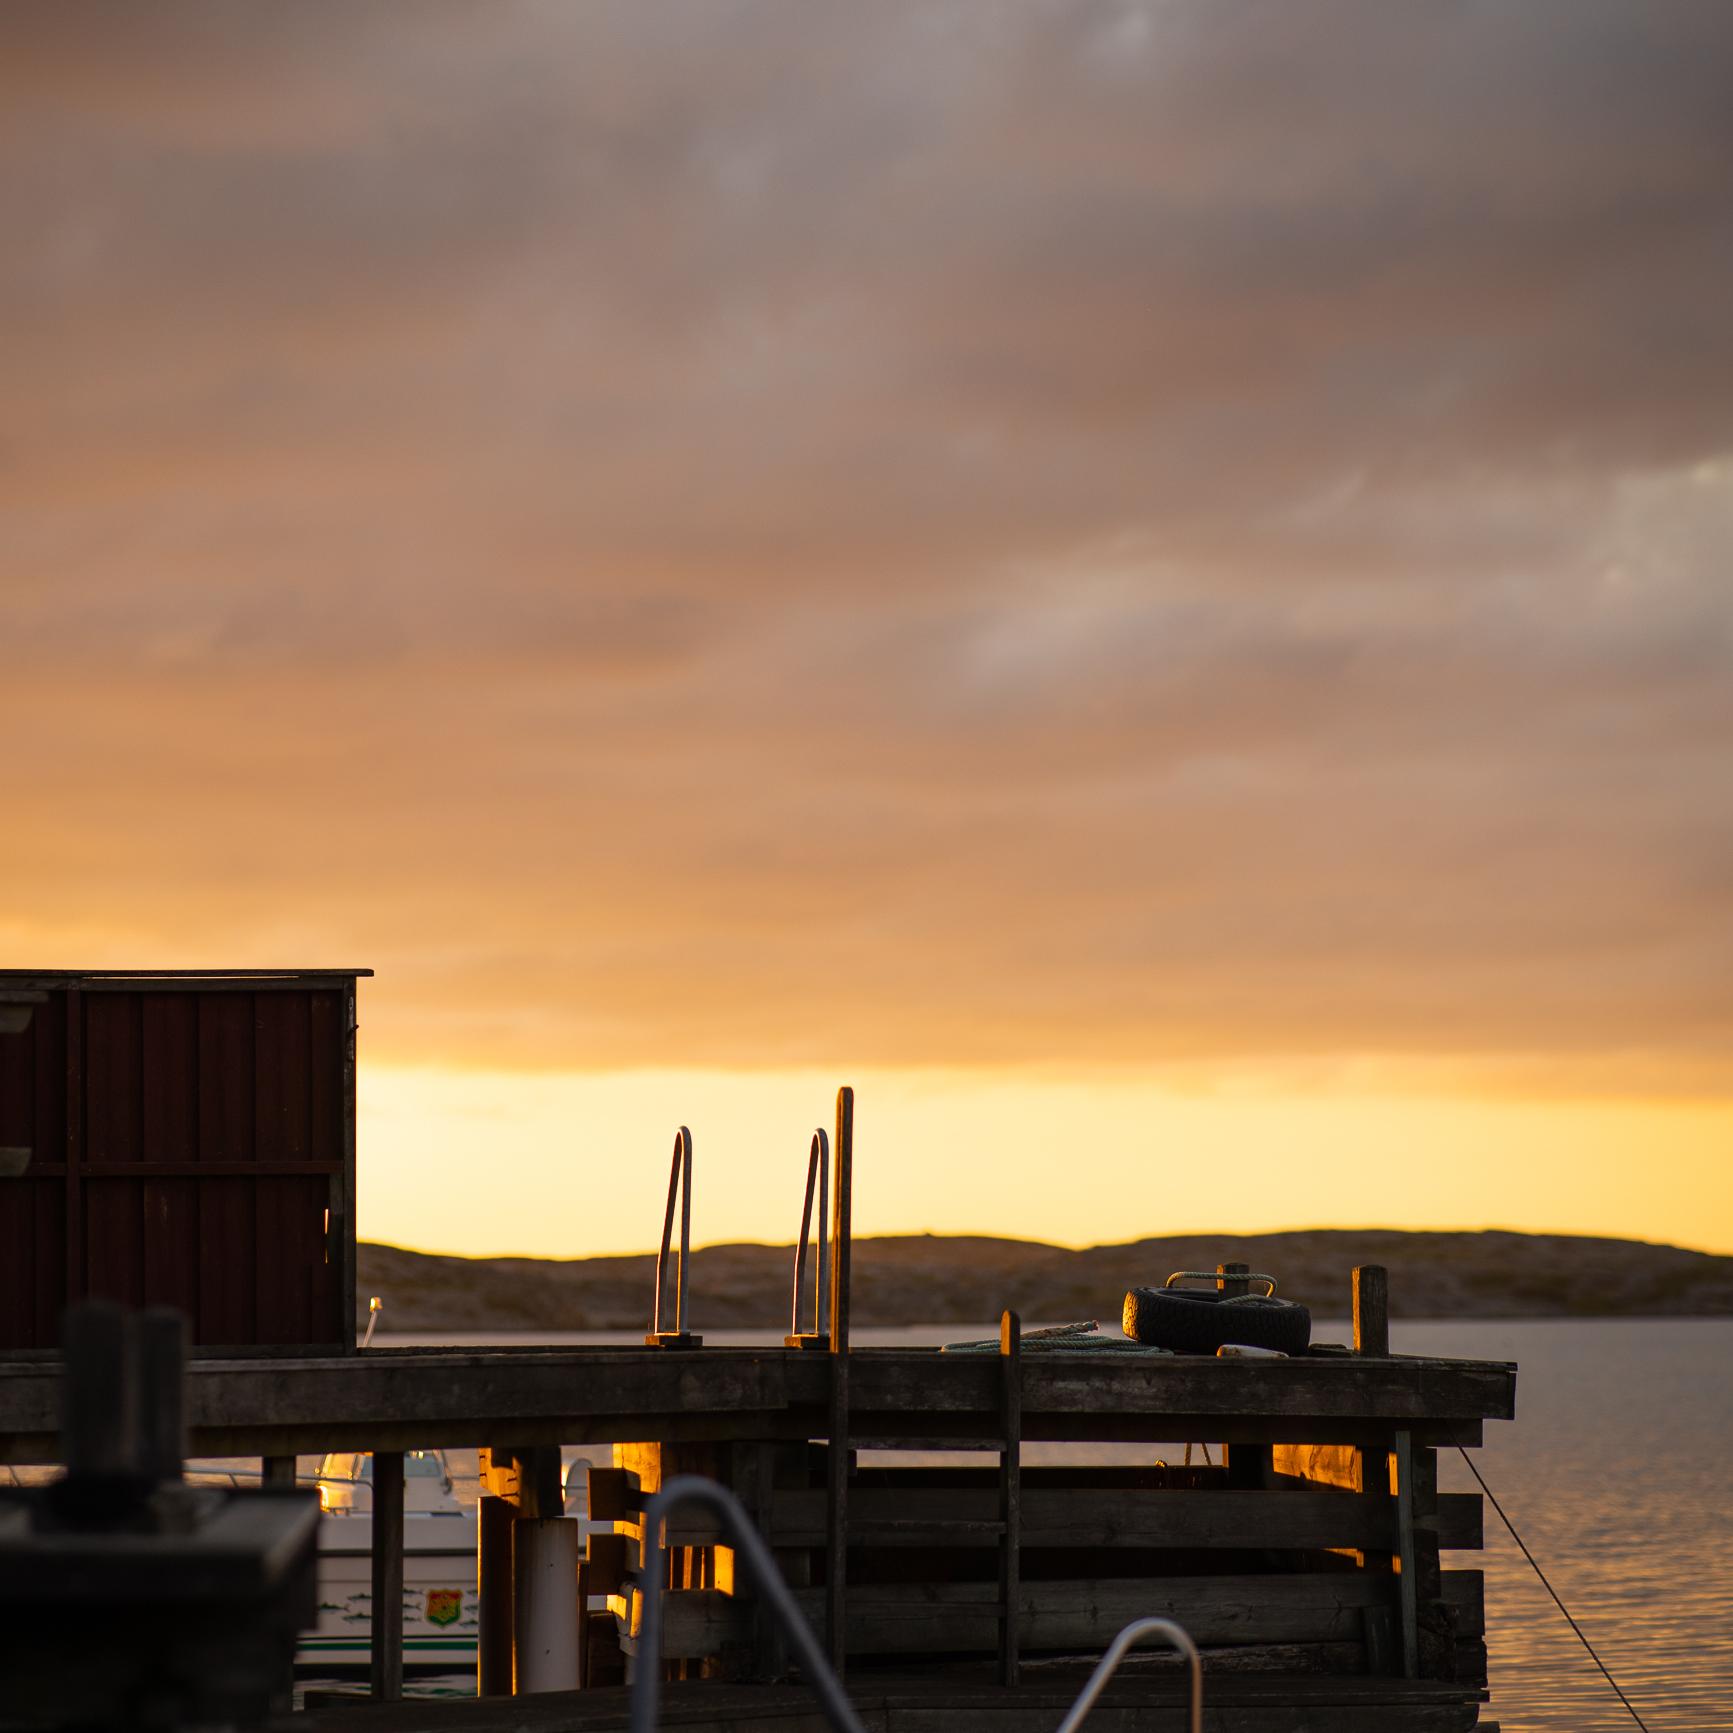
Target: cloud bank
x: 1185, y: 534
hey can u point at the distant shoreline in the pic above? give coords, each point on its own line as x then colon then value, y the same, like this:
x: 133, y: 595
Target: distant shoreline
x: 909, y: 1280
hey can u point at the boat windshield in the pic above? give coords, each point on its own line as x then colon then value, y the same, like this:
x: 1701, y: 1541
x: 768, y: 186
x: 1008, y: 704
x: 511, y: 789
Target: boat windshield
x: 355, y: 1466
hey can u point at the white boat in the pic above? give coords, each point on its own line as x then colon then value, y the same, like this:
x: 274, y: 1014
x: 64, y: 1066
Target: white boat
x: 439, y: 1598
x: 439, y: 1592
x: 439, y: 1589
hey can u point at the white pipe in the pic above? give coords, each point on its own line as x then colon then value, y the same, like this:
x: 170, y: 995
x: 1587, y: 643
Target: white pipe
x: 545, y: 1607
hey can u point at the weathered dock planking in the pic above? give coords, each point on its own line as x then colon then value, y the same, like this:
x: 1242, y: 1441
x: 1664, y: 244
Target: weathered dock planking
x: 417, y: 1398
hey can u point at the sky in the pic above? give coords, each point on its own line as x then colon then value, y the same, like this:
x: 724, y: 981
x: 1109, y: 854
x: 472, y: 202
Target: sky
x: 1146, y: 583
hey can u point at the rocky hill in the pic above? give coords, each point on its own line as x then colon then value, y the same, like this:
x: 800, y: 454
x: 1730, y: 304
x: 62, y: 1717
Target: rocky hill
x: 920, y: 1279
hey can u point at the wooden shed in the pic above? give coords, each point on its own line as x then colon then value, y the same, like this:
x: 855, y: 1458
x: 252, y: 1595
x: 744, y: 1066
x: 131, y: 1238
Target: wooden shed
x: 182, y: 1138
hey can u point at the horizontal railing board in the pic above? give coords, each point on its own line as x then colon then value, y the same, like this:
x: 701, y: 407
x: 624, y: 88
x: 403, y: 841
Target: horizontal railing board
x: 1122, y: 1518
x: 947, y: 1618
x: 1464, y: 1592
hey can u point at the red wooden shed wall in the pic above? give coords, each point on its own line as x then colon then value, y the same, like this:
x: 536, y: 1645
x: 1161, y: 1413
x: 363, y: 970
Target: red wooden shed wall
x: 192, y: 1146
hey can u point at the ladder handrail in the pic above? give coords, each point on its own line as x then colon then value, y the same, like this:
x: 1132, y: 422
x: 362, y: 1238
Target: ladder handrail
x: 838, y: 1711
x: 647, y: 1674
x: 817, y: 1178
x: 1108, y: 1665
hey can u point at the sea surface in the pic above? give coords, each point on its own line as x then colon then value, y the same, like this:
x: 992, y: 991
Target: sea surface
x: 1618, y: 1471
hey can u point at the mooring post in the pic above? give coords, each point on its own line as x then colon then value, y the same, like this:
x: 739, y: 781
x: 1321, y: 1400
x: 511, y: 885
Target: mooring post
x: 1010, y: 1494
x: 1372, y: 1311
x: 277, y: 1470
x: 387, y: 1657
x: 836, y: 1519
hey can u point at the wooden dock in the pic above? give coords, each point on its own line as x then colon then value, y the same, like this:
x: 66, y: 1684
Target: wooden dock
x: 1314, y: 1546
x: 1304, y: 1556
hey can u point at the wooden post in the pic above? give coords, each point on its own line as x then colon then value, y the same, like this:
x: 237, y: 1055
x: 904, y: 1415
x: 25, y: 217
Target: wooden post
x: 836, y: 1524
x: 520, y: 1483
x: 1437, y: 1656
x: 98, y: 1392
x: 277, y: 1470
x: 1247, y: 1465
x: 495, y: 1620
x: 387, y: 1667
x: 1372, y: 1311
x: 162, y: 1433
x: 1406, y: 1565
x: 1010, y: 1494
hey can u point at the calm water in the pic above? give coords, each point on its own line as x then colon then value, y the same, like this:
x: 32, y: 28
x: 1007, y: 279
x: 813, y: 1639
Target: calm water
x: 1619, y: 1472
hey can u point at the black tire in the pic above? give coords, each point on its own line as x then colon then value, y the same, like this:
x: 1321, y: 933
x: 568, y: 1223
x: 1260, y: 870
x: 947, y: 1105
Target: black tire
x: 1196, y: 1321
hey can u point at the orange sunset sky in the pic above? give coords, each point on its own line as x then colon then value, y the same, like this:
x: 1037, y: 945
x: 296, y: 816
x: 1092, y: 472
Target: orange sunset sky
x: 1148, y: 584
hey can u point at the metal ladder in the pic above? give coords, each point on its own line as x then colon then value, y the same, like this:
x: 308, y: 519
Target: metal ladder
x: 688, y: 1489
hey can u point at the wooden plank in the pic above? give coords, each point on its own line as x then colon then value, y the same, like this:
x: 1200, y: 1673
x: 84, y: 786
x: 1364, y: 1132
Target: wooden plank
x: 1010, y: 1495
x: 1080, y: 1616
x: 417, y: 1397
x: 225, y: 1049
x: 343, y: 1187
x: 227, y: 1307
x: 897, y: 1382
x: 113, y: 1084
x: 495, y: 1618
x: 169, y: 1075
x: 1248, y: 1465
x: 1465, y: 1593
x: 1402, y: 1465
x: 1117, y: 1518
x: 387, y: 1626
x: 841, y: 1268
x: 170, y: 1210
x: 74, y: 1217
x: 114, y: 1240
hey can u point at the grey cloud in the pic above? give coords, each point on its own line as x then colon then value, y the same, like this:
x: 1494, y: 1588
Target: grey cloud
x: 952, y: 532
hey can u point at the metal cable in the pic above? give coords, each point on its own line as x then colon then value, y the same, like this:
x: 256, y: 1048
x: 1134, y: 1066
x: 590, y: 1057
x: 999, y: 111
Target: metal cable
x: 1535, y: 1565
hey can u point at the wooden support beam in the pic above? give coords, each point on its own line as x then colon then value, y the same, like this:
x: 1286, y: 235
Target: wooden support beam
x: 1402, y: 1458
x: 1248, y: 1465
x: 520, y: 1483
x: 387, y: 1635
x: 526, y: 1476
x: 841, y: 1260
x: 1010, y: 1495
x: 493, y: 1580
